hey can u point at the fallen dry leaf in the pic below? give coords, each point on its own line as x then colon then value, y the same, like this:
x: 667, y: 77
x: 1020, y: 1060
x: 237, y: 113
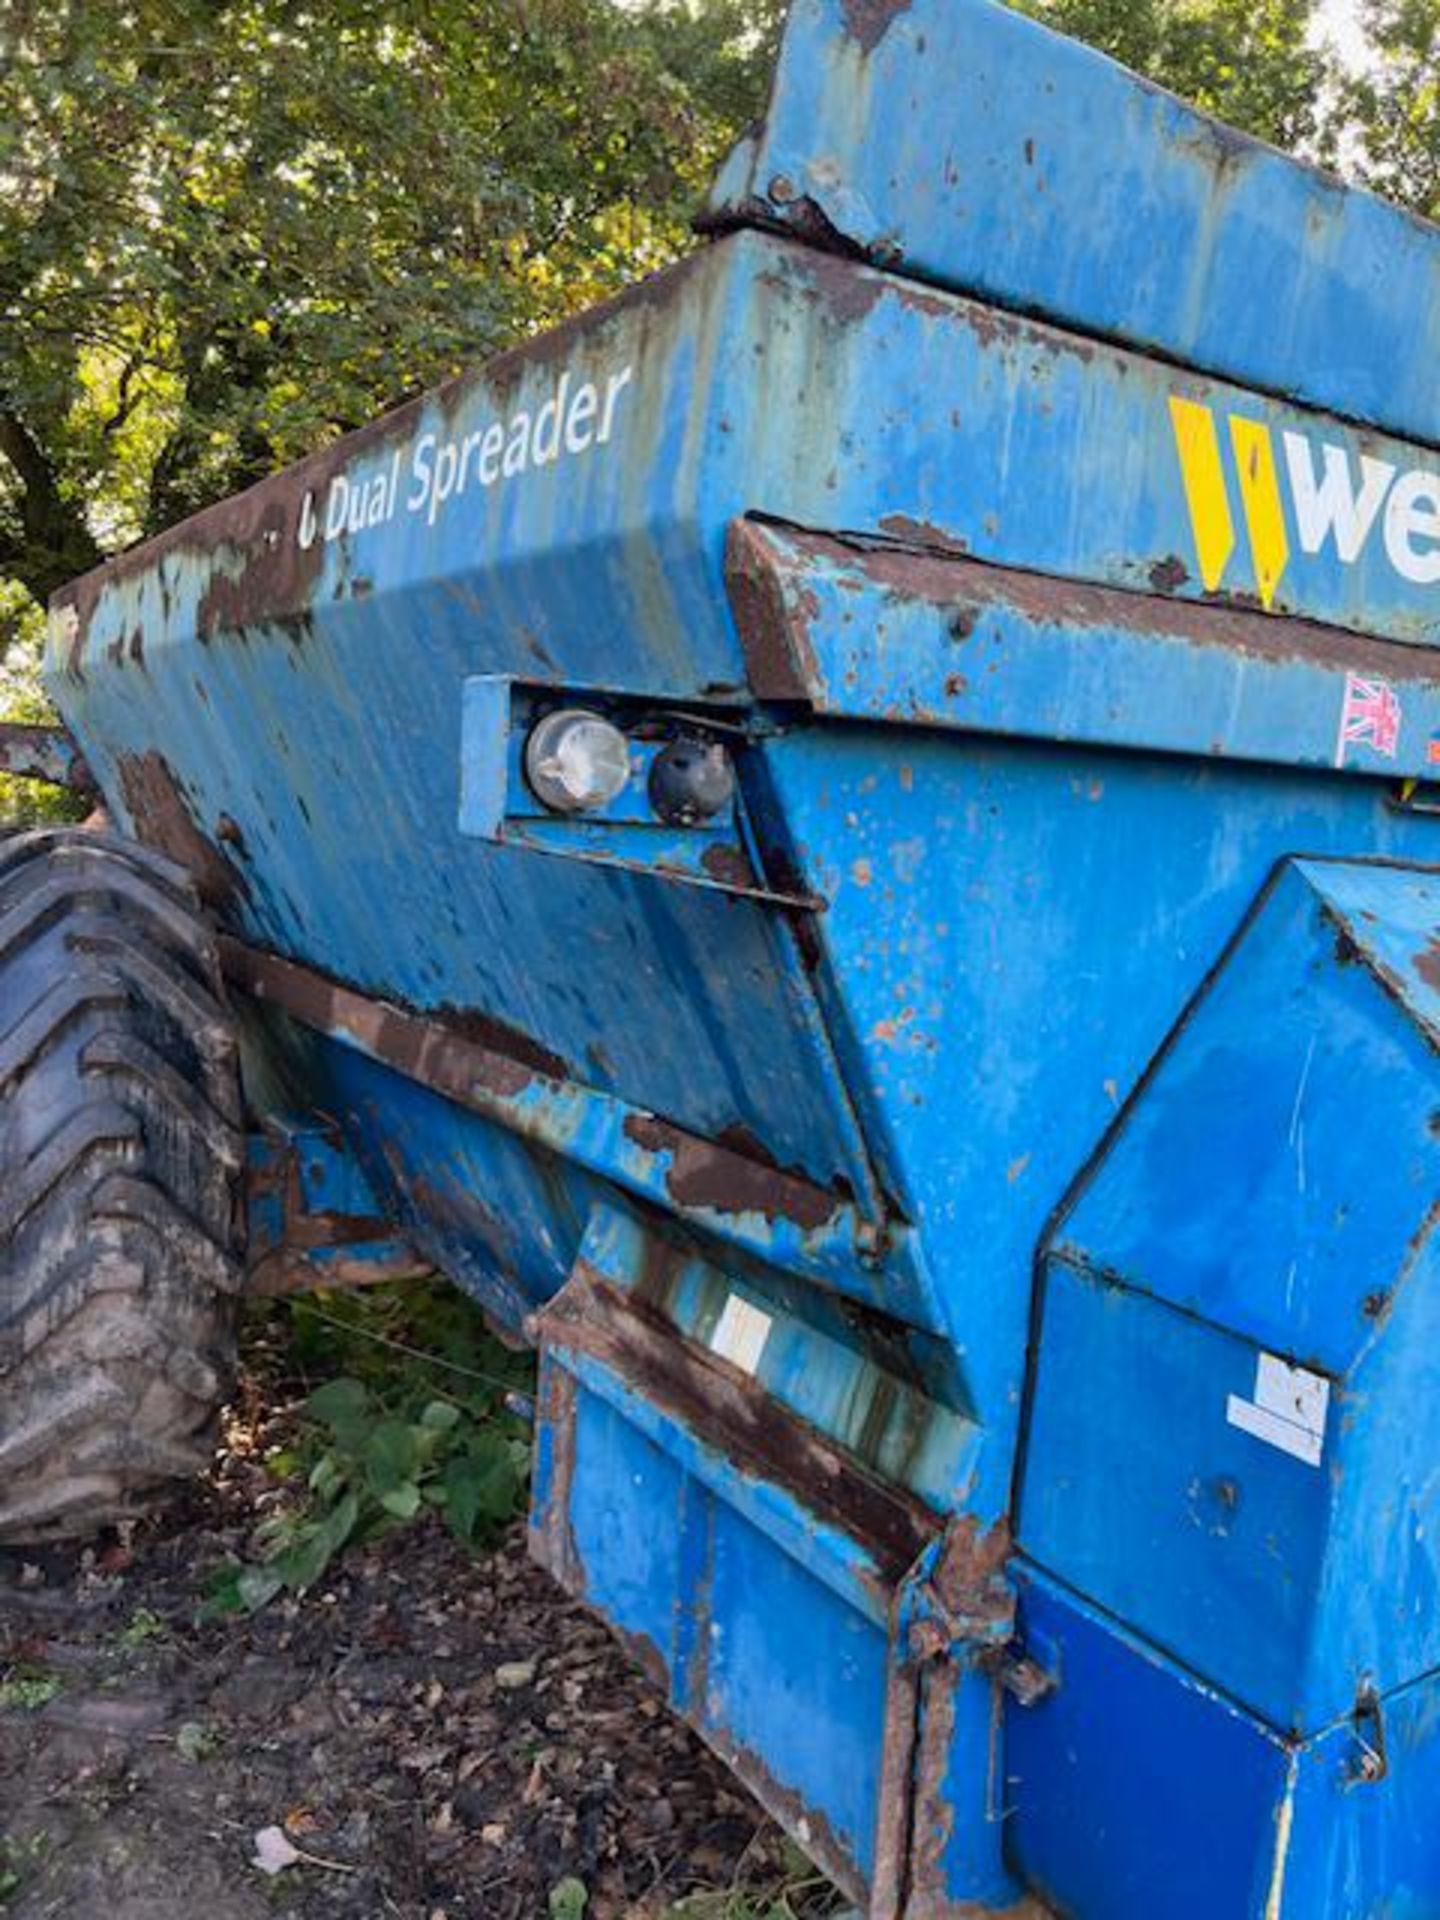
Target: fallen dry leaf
x: 273, y: 1852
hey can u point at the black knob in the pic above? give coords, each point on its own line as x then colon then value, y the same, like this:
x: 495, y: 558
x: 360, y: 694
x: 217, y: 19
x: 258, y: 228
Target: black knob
x: 691, y: 781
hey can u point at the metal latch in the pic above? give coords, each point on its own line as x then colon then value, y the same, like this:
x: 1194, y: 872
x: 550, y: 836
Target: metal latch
x: 1369, y: 1761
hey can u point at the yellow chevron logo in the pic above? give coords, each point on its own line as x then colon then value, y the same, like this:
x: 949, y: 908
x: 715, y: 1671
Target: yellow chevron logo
x: 1334, y: 500
x: 1207, y: 493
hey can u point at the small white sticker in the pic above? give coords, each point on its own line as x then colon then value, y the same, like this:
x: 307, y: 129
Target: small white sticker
x: 1289, y: 1410
x: 741, y: 1333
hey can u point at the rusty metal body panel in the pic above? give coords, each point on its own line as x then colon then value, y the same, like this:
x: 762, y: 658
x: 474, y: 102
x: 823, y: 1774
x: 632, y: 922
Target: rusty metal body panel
x: 811, y: 1134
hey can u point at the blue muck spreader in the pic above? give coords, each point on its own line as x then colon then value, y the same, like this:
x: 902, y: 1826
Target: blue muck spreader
x: 850, y: 843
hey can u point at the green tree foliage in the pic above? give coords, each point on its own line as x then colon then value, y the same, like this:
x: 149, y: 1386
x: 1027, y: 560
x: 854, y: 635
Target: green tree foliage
x: 232, y: 228
x: 25, y: 803
x: 1386, y: 125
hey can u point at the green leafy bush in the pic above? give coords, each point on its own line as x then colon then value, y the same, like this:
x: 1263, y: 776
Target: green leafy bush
x: 381, y: 1443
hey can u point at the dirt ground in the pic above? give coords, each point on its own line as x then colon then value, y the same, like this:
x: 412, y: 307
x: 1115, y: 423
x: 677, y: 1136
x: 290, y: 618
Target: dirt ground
x: 440, y: 1736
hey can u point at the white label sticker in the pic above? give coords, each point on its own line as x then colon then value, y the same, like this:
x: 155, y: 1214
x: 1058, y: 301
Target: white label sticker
x: 1289, y: 1410
x: 741, y: 1333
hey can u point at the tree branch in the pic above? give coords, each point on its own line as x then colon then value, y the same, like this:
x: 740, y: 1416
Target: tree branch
x: 55, y: 542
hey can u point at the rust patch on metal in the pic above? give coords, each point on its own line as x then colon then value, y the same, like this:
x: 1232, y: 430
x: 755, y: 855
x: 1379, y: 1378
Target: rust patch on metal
x: 289, y: 1271
x: 995, y: 327
x: 424, y: 1049
x: 757, y: 601
x: 972, y: 1603
x: 922, y: 534
x: 929, y: 1894
x: 273, y: 574
x: 849, y: 290
x: 919, y: 562
x: 868, y: 21
x: 703, y: 1173
x: 934, y: 1809
x: 1347, y: 947
x: 970, y: 1581
x: 499, y: 1036
x: 821, y: 1843
x: 1427, y: 963
x: 550, y: 1537
x: 934, y: 306
x: 728, y: 865
x: 442, y: 1052
x: 799, y: 216
x: 287, y: 1267
x: 645, y: 1655
x: 1168, y: 576
x: 759, y: 1437
x: 895, y: 1809
x: 161, y: 812
x: 311, y: 1230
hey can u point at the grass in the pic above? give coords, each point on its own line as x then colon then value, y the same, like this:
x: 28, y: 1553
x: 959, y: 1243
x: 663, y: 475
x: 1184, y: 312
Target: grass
x: 26, y: 1688
x: 16, y: 1858
x: 143, y: 1626
x: 788, y: 1890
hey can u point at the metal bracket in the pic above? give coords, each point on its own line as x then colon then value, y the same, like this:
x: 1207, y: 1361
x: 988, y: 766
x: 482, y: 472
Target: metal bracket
x: 313, y: 1220
x: 1370, y: 1760
x: 958, y: 1597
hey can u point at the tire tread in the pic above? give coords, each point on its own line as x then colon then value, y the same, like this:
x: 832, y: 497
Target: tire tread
x: 121, y: 1163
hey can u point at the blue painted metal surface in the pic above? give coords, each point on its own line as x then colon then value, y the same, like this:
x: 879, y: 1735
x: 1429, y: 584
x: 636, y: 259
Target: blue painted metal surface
x: 1240, y: 1222
x: 1127, y: 1730
x: 1222, y: 1815
x: 980, y: 649
x: 977, y: 149
x: 313, y: 1219
x: 974, y: 1196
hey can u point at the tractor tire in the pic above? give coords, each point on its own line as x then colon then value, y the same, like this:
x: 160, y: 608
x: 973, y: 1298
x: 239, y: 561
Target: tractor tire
x: 121, y: 1164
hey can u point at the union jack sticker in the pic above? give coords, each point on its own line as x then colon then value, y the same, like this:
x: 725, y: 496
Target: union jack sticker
x: 1370, y: 716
